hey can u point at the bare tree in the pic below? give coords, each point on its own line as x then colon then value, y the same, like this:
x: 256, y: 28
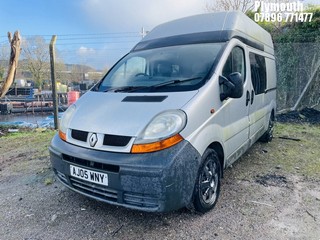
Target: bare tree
x: 13, y: 62
x: 229, y: 5
x: 36, y: 52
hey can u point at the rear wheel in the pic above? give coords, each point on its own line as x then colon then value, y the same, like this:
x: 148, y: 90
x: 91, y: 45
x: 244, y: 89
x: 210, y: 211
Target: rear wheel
x: 268, y: 135
x: 207, y: 188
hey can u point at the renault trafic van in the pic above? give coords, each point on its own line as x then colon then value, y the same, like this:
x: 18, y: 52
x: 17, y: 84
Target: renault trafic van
x: 156, y: 133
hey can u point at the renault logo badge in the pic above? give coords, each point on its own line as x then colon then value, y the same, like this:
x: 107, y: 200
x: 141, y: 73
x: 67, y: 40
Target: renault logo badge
x: 93, y: 139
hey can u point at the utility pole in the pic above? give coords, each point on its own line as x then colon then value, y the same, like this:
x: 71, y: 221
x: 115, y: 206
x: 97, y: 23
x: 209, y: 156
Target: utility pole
x: 53, y: 80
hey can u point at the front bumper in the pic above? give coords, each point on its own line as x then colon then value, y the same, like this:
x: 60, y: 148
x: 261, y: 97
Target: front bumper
x: 156, y: 182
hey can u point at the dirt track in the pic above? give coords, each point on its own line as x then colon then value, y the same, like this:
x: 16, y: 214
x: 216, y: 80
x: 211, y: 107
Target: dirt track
x: 273, y: 192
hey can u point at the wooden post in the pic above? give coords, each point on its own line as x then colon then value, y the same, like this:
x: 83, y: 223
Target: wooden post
x: 53, y: 80
x: 306, y: 87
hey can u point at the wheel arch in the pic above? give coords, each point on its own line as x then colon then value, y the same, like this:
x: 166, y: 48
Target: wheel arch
x: 272, y: 114
x: 217, y: 147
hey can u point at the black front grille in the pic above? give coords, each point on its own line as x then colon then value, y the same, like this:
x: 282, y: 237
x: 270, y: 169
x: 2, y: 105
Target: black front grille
x: 115, y: 140
x: 61, y: 176
x: 94, y: 189
x: 108, y: 140
x: 105, y: 193
x: 91, y: 164
x: 140, y: 200
x: 79, y: 135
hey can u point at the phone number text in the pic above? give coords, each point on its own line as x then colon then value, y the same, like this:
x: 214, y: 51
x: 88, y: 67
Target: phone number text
x: 280, y: 17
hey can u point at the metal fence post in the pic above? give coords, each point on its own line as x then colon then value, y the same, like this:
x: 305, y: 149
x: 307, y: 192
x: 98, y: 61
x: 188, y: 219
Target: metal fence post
x: 53, y: 80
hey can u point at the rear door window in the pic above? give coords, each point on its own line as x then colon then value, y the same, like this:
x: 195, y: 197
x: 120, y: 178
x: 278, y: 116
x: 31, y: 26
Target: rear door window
x: 258, y: 73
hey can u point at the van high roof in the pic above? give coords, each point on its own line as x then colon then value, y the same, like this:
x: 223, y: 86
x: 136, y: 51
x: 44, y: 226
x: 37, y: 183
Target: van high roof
x: 212, y: 27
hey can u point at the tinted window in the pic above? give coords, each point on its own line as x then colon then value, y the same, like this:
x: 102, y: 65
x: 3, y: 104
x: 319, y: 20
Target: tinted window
x: 258, y: 73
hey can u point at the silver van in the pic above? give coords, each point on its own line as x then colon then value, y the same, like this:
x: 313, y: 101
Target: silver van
x: 156, y: 133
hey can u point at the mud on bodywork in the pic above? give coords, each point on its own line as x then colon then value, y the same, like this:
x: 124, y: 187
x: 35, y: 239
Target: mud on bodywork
x: 156, y: 182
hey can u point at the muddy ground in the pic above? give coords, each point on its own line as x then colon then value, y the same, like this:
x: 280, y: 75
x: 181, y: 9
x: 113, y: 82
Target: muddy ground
x: 272, y: 192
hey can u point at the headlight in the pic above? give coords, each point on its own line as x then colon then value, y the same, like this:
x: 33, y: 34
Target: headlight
x: 162, y: 132
x: 65, y: 121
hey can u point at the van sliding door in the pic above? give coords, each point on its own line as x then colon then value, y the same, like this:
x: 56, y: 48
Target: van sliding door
x: 258, y: 102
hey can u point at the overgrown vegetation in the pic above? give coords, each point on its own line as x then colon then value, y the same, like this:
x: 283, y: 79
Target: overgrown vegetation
x: 298, y: 53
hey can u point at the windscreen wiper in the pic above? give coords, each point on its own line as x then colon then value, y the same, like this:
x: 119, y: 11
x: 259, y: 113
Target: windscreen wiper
x: 159, y: 85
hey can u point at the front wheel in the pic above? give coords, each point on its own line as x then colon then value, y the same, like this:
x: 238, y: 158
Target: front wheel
x: 207, y: 188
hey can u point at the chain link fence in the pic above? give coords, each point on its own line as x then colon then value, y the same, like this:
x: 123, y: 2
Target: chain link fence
x: 298, y: 72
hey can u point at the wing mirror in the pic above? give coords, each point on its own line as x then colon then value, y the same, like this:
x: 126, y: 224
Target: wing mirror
x: 232, y: 86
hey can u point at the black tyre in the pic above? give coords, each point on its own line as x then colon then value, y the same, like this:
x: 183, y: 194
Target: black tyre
x: 268, y: 135
x: 207, y: 188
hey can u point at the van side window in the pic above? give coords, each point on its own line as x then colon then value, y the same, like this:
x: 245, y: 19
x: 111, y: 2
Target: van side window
x: 235, y: 63
x: 258, y: 73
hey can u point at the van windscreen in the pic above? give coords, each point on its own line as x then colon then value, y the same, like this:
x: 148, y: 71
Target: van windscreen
x: 174, y: 68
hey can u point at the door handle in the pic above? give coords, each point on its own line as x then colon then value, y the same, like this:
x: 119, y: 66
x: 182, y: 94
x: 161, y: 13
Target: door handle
x: 252, y: 96
x: 247, y: 98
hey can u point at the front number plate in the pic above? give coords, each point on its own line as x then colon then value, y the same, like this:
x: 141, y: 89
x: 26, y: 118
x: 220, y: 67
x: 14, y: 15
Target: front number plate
x: 89, y: 175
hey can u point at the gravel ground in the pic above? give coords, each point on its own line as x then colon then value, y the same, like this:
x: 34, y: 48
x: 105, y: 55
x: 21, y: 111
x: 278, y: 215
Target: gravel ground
x: 272, y: 192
